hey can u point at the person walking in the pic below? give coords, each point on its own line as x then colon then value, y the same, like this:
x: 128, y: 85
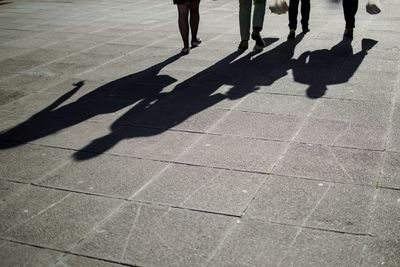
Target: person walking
x: 186, y: 7
x: 350, y: 10
x: 305, y: 16
x: 245, y: 7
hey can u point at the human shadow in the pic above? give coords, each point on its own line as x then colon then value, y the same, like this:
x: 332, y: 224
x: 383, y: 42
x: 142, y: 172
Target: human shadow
x: 324, y: 67
x: 243, y: 75
x: 124, y: 92
x: 149, y: 106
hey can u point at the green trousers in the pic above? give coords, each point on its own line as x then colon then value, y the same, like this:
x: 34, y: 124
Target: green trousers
x: 245, y: 16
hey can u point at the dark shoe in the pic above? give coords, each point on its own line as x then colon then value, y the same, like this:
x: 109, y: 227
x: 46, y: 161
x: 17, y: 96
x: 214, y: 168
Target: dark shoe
x: 259, y: 41
x: 185, y: 50
x: 196, y: 42
x: 244, y: 45
x: 292, y: 34
x: 348, y: 32
x: 305, y: 30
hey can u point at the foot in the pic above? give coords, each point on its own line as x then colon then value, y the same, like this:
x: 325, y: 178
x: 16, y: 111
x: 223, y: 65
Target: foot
x: 292, y: 34
x: 244, y: 45
x: 348, y: 32
x: 305, y: 30
x: 185, y: 50
x: 259, y: 41
x: 196, y: 42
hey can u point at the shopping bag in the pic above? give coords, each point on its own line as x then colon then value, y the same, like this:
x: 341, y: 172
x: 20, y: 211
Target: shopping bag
x: 279, y: 6
x: 373, y: 7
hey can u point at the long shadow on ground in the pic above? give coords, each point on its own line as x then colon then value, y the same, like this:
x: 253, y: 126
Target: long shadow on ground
x: 144, y: 90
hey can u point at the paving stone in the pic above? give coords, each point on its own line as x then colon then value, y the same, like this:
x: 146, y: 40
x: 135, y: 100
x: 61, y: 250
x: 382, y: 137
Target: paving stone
x: 361, y: 92
x: 15, y: 66
x: 381, y: 252
x: 320, y: 248
x: 177, y: 184
x: 344, y: 208
x: 29, y: 162
x: 386, y: 215
x: 8, y: 188
x: 255, y: 125
x: 79, y: 261
x: 42, y: 55
x: 87, y: 59
x: 26, y: 83
x: 108, y: 175
x: 342, y: 133
x: 8, y: 96
x: 196, y: 119
x: 353, y: 111
x: 60, y: 226
x: 286, y: 200
x: 277, y: 104
x: 391, y: 171
x: 146, y: 235
x: 24, y: 204
x: 229, y: 193
x: 330, y: 164
x: 152, y: 143
x: 254, y: 243
x: 14, y: 254
x: 234, y: 153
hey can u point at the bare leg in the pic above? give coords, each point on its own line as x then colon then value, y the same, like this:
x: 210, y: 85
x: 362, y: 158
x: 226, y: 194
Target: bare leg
x: 183, y: 11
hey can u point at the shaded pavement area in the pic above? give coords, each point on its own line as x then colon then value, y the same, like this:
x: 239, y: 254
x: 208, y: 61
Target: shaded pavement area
x: 115, y: 150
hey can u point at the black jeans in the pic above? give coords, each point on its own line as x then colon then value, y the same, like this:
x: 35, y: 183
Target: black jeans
x: 350, y: 9
x: 305, y: 13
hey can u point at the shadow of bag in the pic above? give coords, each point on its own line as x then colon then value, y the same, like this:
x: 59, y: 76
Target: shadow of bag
x: 373, y: 7
x: 279, y: 6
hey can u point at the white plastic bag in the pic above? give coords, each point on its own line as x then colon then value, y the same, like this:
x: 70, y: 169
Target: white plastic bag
x: 373, y: 7
x: 279, y: 6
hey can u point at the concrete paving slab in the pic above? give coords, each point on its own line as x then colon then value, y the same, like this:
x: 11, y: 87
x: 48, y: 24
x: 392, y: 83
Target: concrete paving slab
x: 277, y: 104
x: 343, y: 208
x: 14, y: 254
x: 176, y: 184
x: 381, y: 252
x: 234, y: 153
x: 106, y: 175
x: 330, y: 164
x: 391, y: 170
x: 24, y: 204
x: 146, y: 235
x: 320, y: 248
x: 256, y: 125
x: 230, y: 192
x: 286, y: 200
x: 385, y: 216
x: 254, y: 243
x: 29, y: 162
x: 59, y: 226
x: 79, y: 261
x: 344, y: 134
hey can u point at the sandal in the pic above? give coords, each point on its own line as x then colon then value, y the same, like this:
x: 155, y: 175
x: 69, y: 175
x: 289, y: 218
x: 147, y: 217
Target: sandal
x: 185, y: 50
x: 196, y: 42
x: 244, y: 45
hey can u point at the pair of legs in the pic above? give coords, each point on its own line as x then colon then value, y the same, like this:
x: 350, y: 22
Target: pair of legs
x: 184, y: 9
x: 245, y: 20
x: 350, y: 9
x: 305, y: 14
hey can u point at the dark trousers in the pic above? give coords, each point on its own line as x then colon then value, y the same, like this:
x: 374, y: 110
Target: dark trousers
x: 305, y: 13
x: 350, y: 9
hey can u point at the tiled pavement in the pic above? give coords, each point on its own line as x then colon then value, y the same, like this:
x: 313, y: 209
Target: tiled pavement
x: 115, y: 150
